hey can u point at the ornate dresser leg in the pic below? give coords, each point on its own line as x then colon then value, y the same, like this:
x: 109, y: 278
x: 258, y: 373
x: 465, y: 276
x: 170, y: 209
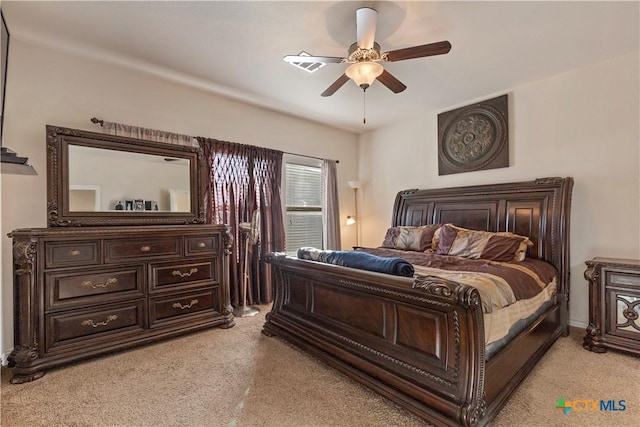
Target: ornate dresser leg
x: 21, y: 360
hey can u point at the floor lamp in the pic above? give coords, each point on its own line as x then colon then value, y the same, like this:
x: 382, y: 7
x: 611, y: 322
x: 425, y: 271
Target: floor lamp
x: 251, y: 231
x: 355, y: 185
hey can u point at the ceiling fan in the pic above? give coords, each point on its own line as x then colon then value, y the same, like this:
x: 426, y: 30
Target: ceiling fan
x: 365, y: 57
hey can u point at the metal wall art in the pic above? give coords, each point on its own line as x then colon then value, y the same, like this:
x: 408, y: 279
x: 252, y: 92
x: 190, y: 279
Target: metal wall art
x: 474, y: 137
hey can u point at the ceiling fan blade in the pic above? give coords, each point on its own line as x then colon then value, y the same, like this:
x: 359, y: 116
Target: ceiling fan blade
x: 336, y: 85
x: 430, y: 49
x: 366, y: 21
x: 395, y: 85
x: 305, y: 58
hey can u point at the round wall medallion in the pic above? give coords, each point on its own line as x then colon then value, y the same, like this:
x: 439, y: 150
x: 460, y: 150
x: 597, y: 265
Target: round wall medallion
x: 473, y: 138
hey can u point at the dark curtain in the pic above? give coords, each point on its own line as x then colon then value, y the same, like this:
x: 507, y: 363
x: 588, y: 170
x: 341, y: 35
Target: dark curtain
x: 240, y: 179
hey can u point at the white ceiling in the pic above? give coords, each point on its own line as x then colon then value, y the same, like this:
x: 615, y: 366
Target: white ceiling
x: 235, y: 48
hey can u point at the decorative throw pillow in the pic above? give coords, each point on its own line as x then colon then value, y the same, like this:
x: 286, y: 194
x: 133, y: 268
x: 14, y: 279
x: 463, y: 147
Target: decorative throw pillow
x: 410, y: 238
x: 475, y: 244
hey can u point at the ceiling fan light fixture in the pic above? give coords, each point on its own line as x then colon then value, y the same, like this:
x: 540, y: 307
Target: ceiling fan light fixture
x: 364, y: 73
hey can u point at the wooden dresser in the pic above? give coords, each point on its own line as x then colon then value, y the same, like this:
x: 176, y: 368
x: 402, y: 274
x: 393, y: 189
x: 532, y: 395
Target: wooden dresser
x: 614, y: 305
x: 84, y: 291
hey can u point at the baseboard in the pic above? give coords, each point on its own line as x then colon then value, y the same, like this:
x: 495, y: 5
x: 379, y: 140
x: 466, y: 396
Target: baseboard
x: 5, y: 357
x: 577, y: 324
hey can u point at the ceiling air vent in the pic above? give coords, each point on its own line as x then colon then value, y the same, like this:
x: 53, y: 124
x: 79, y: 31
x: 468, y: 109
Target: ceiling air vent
x: 310, y: 67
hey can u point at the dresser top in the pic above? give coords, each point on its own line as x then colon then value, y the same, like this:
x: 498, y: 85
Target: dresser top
x: 614, y: 261
x: 116, y: 231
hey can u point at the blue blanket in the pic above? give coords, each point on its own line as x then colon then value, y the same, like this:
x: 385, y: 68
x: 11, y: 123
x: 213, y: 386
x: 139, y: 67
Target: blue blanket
x: 360, y: 260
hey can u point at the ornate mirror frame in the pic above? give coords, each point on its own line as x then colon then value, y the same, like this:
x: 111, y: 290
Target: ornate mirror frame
x: 58, y: 212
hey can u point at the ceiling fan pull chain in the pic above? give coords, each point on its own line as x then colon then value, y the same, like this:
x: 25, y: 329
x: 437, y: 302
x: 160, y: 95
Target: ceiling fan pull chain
x: 364, y: 107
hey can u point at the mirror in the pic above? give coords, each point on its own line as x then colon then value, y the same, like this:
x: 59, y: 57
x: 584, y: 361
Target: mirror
x: 100, y: 179
x: 98, y: 173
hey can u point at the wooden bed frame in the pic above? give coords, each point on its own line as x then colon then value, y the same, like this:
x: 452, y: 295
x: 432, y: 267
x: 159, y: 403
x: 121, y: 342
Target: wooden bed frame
x: 420, y: 342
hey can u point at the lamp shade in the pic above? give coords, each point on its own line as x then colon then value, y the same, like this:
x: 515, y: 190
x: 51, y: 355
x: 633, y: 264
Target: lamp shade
x: 351, y: 220
x: 364, y: 73
x: 354, y: 184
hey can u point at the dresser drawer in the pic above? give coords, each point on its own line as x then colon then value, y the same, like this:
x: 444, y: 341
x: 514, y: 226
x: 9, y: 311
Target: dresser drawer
x: 121, y: 249
x: 81, y: 288
x: 71, y: 254
x: 70, y: 328
x: 182, y: 306
x: 174, y: 276
x: 202, y: 245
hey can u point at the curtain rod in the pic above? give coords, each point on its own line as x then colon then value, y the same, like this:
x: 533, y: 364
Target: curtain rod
x: 304, y: 155
x: 101, y: 123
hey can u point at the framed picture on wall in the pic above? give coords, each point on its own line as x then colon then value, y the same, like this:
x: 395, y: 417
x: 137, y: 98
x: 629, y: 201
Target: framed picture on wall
x: 474, y: 137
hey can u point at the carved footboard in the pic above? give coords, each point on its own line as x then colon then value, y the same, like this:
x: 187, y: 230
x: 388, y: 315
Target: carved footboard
x: 418, y: 342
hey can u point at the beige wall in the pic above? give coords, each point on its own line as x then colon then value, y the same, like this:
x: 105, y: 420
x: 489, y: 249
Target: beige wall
x: 582, y: 124
x: 53, y: 87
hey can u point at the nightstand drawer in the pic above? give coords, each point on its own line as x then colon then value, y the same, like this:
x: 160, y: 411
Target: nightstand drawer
x: 622, y: 278
x: 72, y: 328
x: 179, y: 307
x: 81, y: 288
x: 119, y: 250
x: 71, y: 254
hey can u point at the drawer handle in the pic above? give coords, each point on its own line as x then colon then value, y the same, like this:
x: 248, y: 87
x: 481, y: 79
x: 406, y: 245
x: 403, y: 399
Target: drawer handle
x: 89, y: 322
x: 90, y: 284
x: 181, y: 274
x: 184, y: 307
x: 630, y: 314
x: 201, y: 245
x: 145, y: 248
x: 74, y: 252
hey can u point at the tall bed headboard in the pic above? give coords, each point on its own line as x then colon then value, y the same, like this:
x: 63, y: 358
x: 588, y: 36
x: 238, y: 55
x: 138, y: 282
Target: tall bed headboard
x: 539, y: 209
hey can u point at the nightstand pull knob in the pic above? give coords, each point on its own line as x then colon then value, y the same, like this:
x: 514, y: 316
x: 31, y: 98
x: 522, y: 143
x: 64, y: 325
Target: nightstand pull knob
x: 145, y: 249
x: 74, y: 252
x: 201, y: 245
x: 630, y: 314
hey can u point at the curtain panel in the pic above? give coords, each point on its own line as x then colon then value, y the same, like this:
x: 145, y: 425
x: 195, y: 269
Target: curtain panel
x: 330, y: 206
x: 240, y: 179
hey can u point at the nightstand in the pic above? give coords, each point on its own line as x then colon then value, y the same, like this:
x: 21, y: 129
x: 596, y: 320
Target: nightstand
x: 614, y: 305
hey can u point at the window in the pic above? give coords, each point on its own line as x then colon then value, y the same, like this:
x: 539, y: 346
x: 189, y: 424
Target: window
x: 303, y: 216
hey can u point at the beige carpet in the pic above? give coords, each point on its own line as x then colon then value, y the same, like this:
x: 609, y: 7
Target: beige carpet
x: 238, y: 377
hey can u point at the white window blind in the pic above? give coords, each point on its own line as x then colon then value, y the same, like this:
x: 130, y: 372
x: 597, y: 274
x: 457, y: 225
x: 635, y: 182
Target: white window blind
x: 303, y: 220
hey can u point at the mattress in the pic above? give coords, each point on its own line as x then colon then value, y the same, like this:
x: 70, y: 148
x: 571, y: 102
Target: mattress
x: 510, y: 292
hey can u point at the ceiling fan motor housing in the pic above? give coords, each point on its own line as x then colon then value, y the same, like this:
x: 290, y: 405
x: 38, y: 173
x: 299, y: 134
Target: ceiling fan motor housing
x: 358, y: 54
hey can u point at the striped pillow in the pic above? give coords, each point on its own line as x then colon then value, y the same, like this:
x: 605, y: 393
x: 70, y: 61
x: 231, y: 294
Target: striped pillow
x: 475, y: 244
x: 410, y: 238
